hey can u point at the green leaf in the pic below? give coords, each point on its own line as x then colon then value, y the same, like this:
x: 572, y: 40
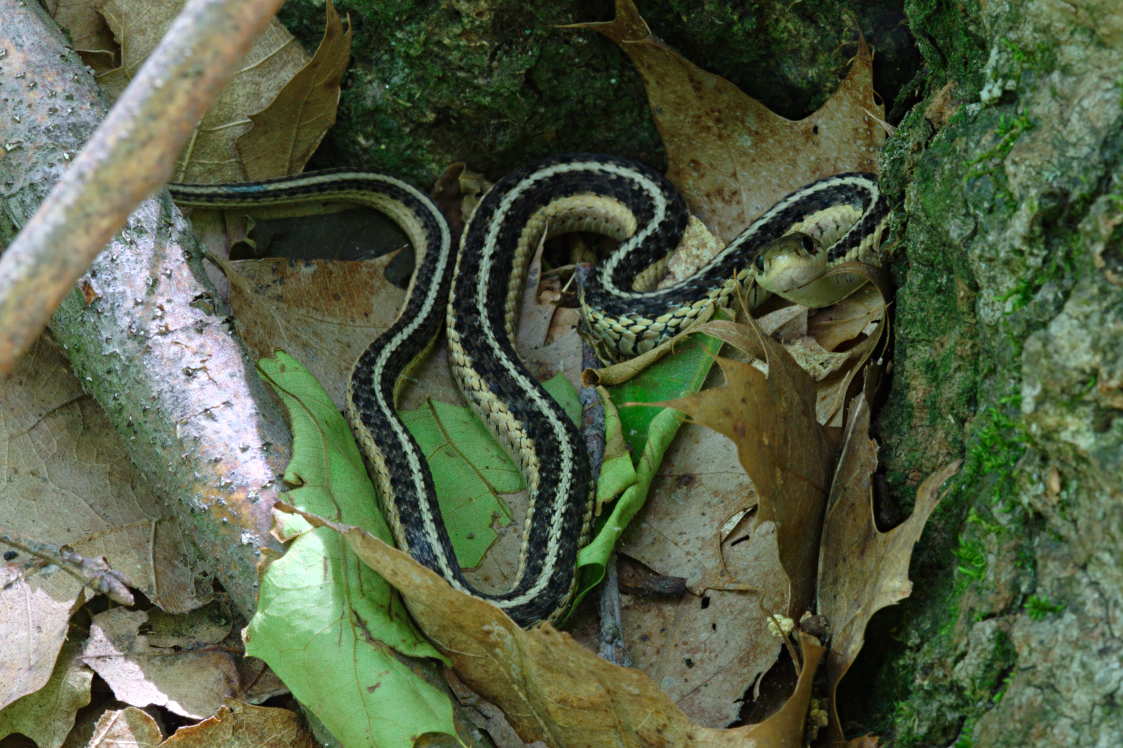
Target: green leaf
x: 471, y: 471
x: 325, y: 623
x: 649, y: 431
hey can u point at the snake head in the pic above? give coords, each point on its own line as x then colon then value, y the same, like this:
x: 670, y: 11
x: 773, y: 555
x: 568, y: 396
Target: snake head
x: 790, y: 263
x: 791, y: 251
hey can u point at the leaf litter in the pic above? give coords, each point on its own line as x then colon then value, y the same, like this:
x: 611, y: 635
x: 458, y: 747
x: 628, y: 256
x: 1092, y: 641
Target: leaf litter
x: 723, y: 181
x: 789, y: 521
x: 67, y: 479
x: 266, y: 122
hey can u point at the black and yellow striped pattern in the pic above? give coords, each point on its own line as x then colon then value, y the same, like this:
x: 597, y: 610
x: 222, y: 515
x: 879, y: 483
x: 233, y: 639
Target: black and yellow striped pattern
x: 478, y: 290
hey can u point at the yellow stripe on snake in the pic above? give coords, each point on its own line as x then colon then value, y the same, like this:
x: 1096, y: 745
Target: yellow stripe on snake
x: 474, y: 294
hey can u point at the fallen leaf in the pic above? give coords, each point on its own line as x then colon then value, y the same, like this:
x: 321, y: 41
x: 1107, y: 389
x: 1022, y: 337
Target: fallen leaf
x: 189, y: 683
x: 30, y: 642
x: 208, y: 625
x: 287, y: 132
x: 47, y: 715
x: 237, y: 724
x: 846, y: 320
x: 481, y: 492
x: 550, y: 687
x: 324, y: 312
x: 129, y: 726
x: 65, y: 479
x: 772, y: 420
x: 707, y: 647
x: 327, y: 625
x: 210, y: 155
x: 730, y: 155
x: 648, y: 432
x: 861, y: 569
x: 88, y: 33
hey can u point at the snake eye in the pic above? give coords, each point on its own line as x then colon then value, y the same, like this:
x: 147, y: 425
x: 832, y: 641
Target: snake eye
x: 808, y: 244
x: 760, y: 262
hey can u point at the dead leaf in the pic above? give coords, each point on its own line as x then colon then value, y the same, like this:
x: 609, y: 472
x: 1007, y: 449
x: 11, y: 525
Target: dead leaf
x: 286, y: 133
x: 325, y: 313
x: 91, y: 38
x: 30, y: 642
x: 65, y: 479
x: 129, y: 726
x: 550, y: 687
x: 705, y: 648
x: 863, y: 570
x: 846, y: 320
x: 771, y: 418
x: 190, y: 682
x: 47, y: 715
x: 210, y: 624
x: 210, y: 155
x: 730, y: 155
x: 237, y: 724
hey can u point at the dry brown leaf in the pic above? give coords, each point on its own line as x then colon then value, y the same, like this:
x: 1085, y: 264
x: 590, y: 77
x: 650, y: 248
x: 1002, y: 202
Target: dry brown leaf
x: 65, y: 479
x: 91, y: 38
x: 772, y: 420
x: 129, y: 726
x: 47, y: 715
x: 286, y: 133
x: 193, y: 683
x: 705, y: 648
x: 237, y: 724
x: 210, y: 155
x: 261, y: 683
x: 729, y: 154
x: 550, y: 687
x: 863, y: 570
x: 846, y: 320
x: 325, y: 313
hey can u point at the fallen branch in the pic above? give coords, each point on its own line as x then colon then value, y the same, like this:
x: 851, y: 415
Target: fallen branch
x: 144, y: 331
x: 127, y: 158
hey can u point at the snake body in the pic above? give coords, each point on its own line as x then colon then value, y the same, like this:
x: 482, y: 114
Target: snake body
x: 475, y: 294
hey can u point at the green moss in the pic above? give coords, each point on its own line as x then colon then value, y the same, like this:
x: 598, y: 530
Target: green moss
x: 1040, y: 608
x: 496, y: 83
x: 1006, y: 133
x: 998, y: 444
x: 491, y: 82
x: 946, y: 32
x: 936, y: 355
x: 972, y: 558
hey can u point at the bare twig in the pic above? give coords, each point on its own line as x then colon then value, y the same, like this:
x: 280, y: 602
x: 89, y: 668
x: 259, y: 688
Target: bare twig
x: 129, y: 156
x: 94, y: 573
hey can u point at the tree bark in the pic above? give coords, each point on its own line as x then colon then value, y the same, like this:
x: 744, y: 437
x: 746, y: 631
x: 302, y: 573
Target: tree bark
x: 1009, y: 352
x: 143, y: 329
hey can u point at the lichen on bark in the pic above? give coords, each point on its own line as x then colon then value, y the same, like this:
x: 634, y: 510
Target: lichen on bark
x: 1009, y: 349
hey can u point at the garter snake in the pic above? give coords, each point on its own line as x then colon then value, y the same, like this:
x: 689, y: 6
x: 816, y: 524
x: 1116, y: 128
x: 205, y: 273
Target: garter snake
x: 474, y: 294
